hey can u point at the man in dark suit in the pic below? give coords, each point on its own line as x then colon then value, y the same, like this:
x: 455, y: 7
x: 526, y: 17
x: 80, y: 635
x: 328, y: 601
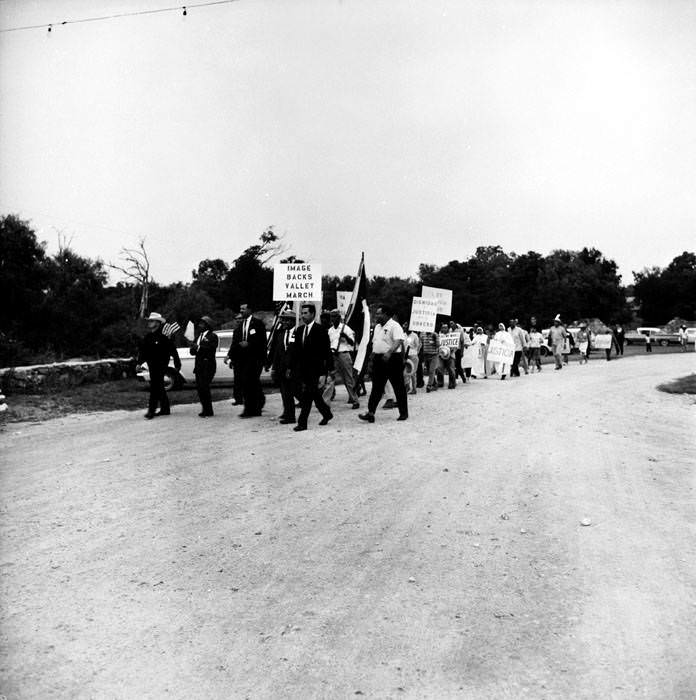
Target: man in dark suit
x: 155, y: 351
x: 281, y: 354
x: 247, y: 355
x: 204, y: 348
x: 311, y: 365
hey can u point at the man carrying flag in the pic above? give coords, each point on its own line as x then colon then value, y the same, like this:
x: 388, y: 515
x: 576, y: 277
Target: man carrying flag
x: 358, y: 317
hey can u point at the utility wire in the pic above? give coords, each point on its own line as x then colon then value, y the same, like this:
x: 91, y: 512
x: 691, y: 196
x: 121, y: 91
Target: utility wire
x: 178, y: 8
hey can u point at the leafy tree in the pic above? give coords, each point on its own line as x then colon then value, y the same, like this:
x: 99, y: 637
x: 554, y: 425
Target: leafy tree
x: 210, y: 278
x: 72, y: 308
x: 23, y: 274
x: 669, y: 293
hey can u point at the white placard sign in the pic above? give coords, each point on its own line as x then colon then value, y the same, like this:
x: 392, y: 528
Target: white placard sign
x: 450, y: 340
x: 443, y: 296
x: 470, y: 355
x: 342, y: 302
x: 423, y: 315
x: 297, y: 282
x: 602, y: 341
x: 500, y: 352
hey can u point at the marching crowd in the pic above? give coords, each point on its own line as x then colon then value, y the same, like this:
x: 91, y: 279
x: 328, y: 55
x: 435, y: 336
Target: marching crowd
x: 305, y: 360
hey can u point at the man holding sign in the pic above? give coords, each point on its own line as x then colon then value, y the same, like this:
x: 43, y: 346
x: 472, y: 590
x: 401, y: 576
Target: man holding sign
x: 449, y: 343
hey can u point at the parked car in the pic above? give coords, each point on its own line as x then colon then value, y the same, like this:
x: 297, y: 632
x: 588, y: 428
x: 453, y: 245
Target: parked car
x: 691, y: 335
x: 176, y: 380
x: 657, y: 336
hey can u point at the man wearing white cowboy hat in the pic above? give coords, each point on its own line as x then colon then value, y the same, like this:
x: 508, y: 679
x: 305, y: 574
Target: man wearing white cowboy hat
x: 155, y: 351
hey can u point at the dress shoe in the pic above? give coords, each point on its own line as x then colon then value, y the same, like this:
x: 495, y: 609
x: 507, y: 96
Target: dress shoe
x: 163, y: 413
x: 325, y: 420
x: 389, y: 403
x: 413, y: 391
x: 205, y: 415
x: 287, y: 421
x: 149, y: 415
x: 299, y: 428
x: 402, y: 417
x: 369, y: 417
x: 355, y: 405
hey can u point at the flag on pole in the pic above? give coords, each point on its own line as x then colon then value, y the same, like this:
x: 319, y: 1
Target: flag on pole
x: 170, y: 328
x: 358, y: 316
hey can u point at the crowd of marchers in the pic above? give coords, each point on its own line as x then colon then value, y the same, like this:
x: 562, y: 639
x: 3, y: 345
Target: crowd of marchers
x: 306, y: 360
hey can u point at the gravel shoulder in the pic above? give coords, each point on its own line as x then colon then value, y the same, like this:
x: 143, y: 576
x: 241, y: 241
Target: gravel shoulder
x: 440, y: 557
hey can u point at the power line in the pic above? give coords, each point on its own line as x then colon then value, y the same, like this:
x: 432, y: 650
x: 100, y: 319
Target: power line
x: 179, y: 8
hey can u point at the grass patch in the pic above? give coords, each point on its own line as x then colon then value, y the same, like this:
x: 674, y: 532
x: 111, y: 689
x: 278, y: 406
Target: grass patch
x: 125, y: 394
x: 683, y: 385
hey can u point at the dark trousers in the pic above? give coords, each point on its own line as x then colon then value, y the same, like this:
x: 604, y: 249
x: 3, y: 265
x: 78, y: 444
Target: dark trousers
x: 203, y: 380
x: 311, y: 393
x: 287, y: 394
x: 383, y: 371
x: 419, y: 373
x: 157, y: 393
x: 252, y: 394
x: 619, y: 350
x: 515, y: 369
x: 237, y: 394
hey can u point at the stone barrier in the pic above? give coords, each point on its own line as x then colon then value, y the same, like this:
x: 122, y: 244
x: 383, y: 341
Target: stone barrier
x: 37, y: 379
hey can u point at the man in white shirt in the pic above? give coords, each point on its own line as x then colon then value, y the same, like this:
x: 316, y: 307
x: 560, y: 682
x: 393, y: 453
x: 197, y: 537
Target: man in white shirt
x: 342, y: 339
x: 387, y: 364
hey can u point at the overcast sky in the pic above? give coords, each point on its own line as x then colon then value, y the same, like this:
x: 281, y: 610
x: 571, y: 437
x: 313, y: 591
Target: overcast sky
x: 413, y: 131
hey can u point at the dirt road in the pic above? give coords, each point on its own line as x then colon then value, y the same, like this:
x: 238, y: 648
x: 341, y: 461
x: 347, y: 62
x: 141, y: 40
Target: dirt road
x: 440, y: 557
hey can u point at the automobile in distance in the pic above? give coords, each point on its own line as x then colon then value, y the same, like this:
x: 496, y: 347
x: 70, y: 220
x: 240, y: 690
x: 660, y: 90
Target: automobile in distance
x: 691, y: 335
x: 657, y: 336
x: 176, y: 380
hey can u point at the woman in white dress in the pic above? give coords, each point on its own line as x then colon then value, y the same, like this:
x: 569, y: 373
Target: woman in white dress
x: 479, y: 343
x: 502, y: 336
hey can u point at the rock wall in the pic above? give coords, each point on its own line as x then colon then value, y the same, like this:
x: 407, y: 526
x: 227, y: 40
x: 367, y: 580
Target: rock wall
x: 36, y: 379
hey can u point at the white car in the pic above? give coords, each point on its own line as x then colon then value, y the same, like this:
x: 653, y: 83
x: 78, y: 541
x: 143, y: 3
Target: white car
x: 175, y: 380
x: 691, y: 335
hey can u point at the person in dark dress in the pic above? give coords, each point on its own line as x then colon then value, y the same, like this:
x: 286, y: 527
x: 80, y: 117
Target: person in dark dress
x: 155, y: 351
x: 203, y: 349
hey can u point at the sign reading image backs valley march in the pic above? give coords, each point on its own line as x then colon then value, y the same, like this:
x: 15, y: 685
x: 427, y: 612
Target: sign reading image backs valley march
x: 297, y: 282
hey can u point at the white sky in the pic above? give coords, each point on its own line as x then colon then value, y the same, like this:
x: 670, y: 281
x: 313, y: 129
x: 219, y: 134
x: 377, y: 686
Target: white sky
x: 415, y: 131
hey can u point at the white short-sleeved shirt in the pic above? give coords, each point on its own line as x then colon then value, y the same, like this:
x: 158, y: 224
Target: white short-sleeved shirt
x: 339, y: 343
x: 385, y: 336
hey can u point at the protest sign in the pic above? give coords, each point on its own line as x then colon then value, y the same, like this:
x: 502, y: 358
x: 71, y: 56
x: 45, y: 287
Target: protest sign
x: 500, y: 352
x: 423, y: 313
x: 602, y: 341
x: 470, y: 355
x: 297, y: 282
x: 443, y: 296
x: 450, y: 340
x: 342, y: 301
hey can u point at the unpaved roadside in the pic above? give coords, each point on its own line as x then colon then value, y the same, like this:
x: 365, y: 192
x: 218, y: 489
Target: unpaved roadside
x: 440, y: 557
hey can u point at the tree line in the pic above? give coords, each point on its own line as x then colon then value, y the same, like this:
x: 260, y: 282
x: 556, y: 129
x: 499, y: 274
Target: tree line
x: 62, y: 305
